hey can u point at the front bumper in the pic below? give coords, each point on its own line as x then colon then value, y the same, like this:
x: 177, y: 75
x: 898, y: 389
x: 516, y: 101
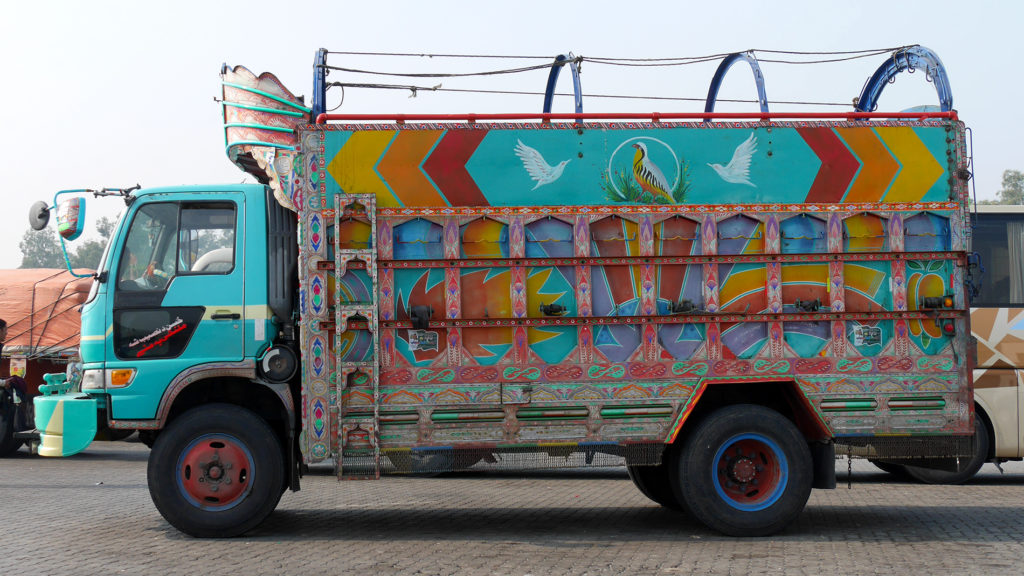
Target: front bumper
x: 66, y: 423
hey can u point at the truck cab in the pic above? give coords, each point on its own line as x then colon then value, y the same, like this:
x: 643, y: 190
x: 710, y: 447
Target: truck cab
x: 172, y: 319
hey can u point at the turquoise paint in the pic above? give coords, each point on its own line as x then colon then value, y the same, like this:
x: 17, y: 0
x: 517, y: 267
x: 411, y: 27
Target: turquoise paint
x: 66, y: 423
x: 785, y: 176
x: 498, y: 352
x: 559, y: 343
x: 333, y: 141
x: 213, y: 340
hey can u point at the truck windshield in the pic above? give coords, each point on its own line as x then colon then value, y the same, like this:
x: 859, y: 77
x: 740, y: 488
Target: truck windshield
x: 147, y: 262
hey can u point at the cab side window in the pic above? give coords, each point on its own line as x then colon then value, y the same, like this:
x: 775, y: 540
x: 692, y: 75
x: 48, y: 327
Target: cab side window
x: 206, y: 243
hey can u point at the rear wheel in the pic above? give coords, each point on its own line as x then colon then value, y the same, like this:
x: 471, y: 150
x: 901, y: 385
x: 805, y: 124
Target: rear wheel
x: 217, y: 471
x: 655, y: 483
x: 744, y: 471
x: 966, y: 467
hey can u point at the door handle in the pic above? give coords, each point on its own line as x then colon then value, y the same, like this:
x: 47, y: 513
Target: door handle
x: 225, y: 316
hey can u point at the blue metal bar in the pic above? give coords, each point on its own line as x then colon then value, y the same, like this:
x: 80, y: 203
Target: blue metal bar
x: 549, y: 91
x: 320, y: 82
x: 907, y: 59
x: 716, y: 82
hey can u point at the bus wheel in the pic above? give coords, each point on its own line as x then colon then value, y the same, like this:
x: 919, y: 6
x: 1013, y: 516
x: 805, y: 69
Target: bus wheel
x: 744, y: 471
x: 896, y: 470
x: 217, y: 471
x: 966, y: 467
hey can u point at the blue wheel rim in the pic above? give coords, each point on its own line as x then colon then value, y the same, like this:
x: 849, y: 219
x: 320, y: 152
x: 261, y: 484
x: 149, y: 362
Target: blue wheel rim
x: 750, y: 472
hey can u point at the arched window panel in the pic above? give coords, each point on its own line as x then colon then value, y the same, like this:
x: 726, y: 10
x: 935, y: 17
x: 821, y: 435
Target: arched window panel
x: 865, y: 233
x: 804, y: 234
x: 418, y: 239
x: 740, y: 234
x: 484, y: 238
x: 614, y: 236
x: 549, y: 238
x: 926, y: 232
x: 677, y: 236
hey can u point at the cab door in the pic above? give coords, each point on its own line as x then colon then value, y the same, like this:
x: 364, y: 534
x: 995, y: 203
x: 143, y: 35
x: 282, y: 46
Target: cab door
x: 178, y: 295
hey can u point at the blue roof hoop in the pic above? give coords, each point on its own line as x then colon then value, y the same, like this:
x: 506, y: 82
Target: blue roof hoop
x: 716, y: 82
x: 549, y: 92
x: 910, y: 59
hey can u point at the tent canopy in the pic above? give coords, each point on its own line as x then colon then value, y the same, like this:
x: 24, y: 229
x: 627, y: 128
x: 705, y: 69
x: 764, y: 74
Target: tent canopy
x: 41, y: 307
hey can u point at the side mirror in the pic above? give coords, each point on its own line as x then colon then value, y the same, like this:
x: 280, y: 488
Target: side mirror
x: 71, y: 218
x: 38, y: 215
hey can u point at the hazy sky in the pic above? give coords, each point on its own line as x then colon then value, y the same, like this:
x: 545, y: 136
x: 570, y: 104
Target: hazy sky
x: 116, y: 93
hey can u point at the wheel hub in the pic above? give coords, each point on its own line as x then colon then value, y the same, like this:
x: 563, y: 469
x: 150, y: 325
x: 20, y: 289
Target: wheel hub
x: 743, y: 470
x: 215, y: 471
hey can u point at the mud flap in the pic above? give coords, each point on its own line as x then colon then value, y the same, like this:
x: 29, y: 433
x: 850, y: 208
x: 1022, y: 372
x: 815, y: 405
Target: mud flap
x: 66, y: 423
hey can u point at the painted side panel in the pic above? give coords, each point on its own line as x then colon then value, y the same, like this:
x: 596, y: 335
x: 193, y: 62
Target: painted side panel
x: 602, y: 277
x: 560, y: 164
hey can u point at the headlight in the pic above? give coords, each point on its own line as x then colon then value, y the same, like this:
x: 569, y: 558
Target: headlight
x: 93, y: 380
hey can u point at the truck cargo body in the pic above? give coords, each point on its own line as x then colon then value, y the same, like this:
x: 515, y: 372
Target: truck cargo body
x: 809, y: 280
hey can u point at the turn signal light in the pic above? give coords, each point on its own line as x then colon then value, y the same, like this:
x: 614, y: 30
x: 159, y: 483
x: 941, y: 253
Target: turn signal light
x: 121, y: 377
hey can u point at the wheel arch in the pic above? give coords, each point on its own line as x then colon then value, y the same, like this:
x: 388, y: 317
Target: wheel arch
x: 238, y: 385
x: 782, y: 395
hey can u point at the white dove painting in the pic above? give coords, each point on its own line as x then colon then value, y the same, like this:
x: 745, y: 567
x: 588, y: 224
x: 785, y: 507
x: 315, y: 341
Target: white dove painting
x: 537, y: 167
x: 738, y: 169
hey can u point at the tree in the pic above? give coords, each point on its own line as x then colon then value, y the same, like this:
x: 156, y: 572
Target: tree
x: 1012, y: 191
x: 41, y: 249
x: 88, y: 253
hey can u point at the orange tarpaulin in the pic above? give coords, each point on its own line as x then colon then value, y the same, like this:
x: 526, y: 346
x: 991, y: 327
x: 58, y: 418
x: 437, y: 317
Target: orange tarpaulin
x: 41, y: 307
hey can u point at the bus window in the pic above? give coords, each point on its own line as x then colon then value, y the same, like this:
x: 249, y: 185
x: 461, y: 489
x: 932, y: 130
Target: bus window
x: 999, y: 240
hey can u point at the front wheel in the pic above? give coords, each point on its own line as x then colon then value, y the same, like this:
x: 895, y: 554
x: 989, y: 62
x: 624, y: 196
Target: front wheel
x: 217, y: 471
x: 744, y: 471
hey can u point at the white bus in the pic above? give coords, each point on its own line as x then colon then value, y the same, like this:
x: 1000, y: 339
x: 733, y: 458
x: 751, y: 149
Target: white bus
x: 997, y: 322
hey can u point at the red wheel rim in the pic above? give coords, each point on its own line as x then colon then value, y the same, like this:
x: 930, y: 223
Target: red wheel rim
x: 750, y: 472
x: 215, y: 472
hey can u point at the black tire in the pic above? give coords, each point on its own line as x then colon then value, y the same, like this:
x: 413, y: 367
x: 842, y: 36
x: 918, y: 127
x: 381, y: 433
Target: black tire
x: 744, y: 471
x: 897, y: 470
x: 217, y: 471
x: 968, y: 467
x: 8, y: 416
x: 655, y: 482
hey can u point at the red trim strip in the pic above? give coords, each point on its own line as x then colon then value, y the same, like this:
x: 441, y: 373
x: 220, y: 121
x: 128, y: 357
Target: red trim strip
x: 652, y: 116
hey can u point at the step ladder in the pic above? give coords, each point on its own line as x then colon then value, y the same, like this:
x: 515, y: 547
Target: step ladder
x: 358, y: 444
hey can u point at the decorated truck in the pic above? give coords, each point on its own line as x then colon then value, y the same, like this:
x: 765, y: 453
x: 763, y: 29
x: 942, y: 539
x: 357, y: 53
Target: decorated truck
x: 713, y: 300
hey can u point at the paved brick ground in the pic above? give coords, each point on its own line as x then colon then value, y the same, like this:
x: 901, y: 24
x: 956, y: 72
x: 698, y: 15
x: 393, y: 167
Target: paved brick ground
x: 91, y: 514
